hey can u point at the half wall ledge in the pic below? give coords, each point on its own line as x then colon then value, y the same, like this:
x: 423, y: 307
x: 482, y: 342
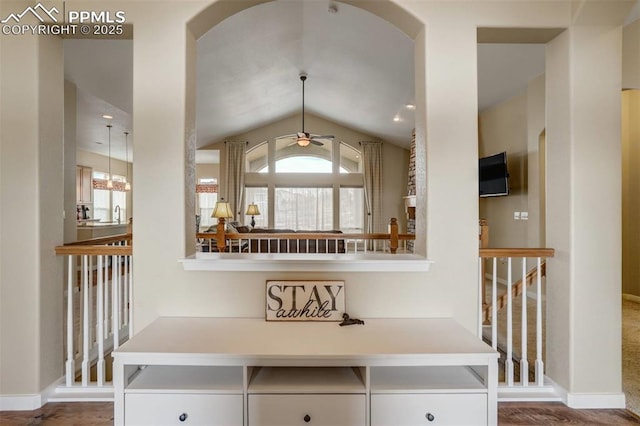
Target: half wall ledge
x: 262, y: 262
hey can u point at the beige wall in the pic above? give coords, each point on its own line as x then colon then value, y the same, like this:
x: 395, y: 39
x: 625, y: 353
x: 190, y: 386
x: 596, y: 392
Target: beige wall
x: 631, y: 56
x: 631, y: 192
x: 31, y: 214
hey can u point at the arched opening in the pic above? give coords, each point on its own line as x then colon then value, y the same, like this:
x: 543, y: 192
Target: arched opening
x: 219, y: 14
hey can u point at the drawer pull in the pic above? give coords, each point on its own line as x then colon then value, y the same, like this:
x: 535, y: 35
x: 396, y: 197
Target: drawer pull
x: 307, y: 418
x: 430, y: 417
x: 183, y: 417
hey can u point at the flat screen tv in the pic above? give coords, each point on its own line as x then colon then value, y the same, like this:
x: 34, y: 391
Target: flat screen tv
x: 494, y: 177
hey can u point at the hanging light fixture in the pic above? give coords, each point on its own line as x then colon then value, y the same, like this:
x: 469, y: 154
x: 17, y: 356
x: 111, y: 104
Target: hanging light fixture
x: 127, y: 185
x: 110, y: 180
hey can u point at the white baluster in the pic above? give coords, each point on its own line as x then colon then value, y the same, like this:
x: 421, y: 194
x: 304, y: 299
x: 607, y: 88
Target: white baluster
x: 107, y: 316
x: 125, y: 276
x: 539, y: 363
x: 70, y: 363
x: 524, y: 363
x: 115, y: 304
x: 130, y: 301
x: 100, y: 367
x: 85, y: 320
x: 509, y: 361
x: 494, y: 305
x: 481, y: 310
x: 90, y: 288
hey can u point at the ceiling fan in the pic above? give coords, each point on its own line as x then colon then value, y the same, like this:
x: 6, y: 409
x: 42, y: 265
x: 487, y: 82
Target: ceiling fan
x: 305, y: 138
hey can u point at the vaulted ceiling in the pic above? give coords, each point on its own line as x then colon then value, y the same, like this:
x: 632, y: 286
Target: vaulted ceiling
x: 360, y: 68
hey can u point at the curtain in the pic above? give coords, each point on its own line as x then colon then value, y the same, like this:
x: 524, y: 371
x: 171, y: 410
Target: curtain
x: 372, y: 173
x: 235, y: 176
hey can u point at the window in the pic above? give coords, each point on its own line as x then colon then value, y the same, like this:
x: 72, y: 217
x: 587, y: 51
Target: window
x: 352, y: 210
x: 308, y: 209
x: 206, y: 199
x: 305, y: 188
x: 106, y: 200
x: 259, y: 196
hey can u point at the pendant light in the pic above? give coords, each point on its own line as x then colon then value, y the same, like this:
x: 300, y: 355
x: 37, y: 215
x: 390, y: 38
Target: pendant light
x: 127, y: 185
x: 110, y: 180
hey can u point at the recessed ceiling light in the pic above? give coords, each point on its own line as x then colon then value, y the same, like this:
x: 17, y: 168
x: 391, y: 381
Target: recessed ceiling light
x: 108, y: 117
x: 396, y: 118
x: 410, y: 106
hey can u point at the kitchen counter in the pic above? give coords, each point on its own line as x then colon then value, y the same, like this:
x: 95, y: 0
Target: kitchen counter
x: 93, y: 229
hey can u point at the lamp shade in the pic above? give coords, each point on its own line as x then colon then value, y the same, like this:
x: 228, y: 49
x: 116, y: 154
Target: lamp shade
x: 222, y: 210
x: 253, y: 210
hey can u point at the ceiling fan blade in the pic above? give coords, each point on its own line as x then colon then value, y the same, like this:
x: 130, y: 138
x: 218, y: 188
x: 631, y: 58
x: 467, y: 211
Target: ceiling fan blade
x: 327, y: 137
x: 316, y: 142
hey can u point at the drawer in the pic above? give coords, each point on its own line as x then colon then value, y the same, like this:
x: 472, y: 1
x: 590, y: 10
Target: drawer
x: 156, y: 409
x: 309, y: 409
x: 428, y: 409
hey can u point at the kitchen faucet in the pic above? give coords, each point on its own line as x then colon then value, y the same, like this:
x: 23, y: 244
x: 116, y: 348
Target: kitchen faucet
x: 117, y: 210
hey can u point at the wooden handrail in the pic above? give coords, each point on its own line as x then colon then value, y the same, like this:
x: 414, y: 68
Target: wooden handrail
x: 221, y: 237
x: 101, y: 240
x: 98, y: 246
x: 97, y: 250
x: 517, y: 252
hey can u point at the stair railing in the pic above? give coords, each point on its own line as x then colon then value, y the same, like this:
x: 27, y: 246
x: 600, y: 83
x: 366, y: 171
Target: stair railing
x: 98, y: 316
x: 501, y: 335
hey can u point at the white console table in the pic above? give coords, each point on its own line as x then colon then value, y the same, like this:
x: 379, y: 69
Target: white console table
x: 229, y: 371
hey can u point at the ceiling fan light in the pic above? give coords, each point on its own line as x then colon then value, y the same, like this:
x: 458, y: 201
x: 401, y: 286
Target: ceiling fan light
x: 303, y: 142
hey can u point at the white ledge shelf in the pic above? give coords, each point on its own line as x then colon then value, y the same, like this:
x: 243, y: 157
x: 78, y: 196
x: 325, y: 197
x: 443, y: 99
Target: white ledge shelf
x: 369, y: 262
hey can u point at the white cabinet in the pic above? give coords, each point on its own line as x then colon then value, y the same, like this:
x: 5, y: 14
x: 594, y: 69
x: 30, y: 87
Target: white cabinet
x: 184, y: 395
x: 84, y: 185
x: 310, y: 409
x: 158, y: 409
x: 428, y: 395
x: 318, y: 396
x: 451, y: 409
x: 250, y: 372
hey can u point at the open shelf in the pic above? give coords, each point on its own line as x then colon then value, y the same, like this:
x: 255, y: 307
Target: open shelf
x: 316, y: 380
x: 425, y: 379
x: 192, y: 379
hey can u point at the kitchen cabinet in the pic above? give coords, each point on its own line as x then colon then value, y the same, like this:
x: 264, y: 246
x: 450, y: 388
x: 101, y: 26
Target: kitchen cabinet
x: 84, y: 185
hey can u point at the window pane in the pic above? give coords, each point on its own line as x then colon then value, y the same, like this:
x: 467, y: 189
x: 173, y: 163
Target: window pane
x: 304, y: 208
x: 119, y: 199
x: 292, y: 158
x: 101, y: 204
x: 260, y: 197
x: 256, y: 159
x: 350, y: 159
x: 352, y: 210
x: 206, y: 203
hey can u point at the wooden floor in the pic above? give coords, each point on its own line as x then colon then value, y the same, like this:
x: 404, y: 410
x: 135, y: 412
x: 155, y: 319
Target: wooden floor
x: 512, y: 413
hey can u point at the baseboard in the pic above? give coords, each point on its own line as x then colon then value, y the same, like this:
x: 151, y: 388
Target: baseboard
x: 20, y: 402
x: 588, y: 400
x: 28, y: 402
x: 631, y: 297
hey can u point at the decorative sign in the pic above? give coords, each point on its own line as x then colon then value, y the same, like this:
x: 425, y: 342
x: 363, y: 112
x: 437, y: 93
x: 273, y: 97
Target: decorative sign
x: 305, y: 300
